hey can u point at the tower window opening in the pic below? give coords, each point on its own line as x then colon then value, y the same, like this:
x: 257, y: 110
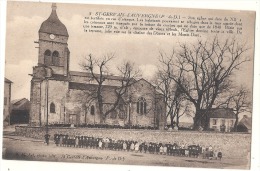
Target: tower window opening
x: 55, y: 54
x: 55, y: 58
x: 47, y: 57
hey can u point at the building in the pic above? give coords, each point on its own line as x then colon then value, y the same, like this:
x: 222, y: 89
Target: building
x: 221, y: 119
x: 20, y: 110
x: 59, y: 95
x: 245, y: 124
x: 7, y: 101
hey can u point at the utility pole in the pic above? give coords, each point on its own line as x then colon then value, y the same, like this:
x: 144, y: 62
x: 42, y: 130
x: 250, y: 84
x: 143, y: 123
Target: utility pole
x: 47, y: 136
x: 129, y: 111
x: 47, y: 105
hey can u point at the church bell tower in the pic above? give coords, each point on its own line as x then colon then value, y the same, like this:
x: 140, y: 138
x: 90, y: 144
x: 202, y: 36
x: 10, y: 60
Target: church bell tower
x: 50, y: 77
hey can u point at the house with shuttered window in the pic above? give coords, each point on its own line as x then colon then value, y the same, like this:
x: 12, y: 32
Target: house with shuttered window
x: 221, y: 119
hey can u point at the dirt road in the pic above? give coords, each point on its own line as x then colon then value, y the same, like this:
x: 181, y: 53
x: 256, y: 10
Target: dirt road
x: 21, y: 148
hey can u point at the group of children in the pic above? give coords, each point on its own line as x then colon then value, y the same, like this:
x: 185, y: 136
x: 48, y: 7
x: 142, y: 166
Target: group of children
x: 172, y: 149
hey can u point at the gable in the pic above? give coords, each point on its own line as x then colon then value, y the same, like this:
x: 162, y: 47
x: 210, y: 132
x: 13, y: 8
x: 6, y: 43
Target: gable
x: 143, y: 83
x: 21, y: 104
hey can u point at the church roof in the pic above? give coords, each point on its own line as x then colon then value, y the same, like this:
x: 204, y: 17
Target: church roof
x: 246, y: 121
x: 20, y: 104
x: 59, y: 77
x: 85, y: 74
x: 8, y: 81
x: 142, y: 79
x: 82, y: 86
x: 108, y: 91
x: 53, y: 25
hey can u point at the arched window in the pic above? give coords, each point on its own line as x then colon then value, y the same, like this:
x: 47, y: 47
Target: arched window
x: 55, y: 54
x: 137, y: 107
x: 52, y: 108
x: 92, y: 110
x: 122, y: 112
x: 47, y: 53
x: 55, y: 58
x: 47, y: 57
x: 144, y: 107
x: 113, y: 115
x: 122, y: 115
x: 141, y: 106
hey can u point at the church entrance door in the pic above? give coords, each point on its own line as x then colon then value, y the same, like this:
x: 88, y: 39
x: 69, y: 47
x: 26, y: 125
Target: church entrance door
x: 73, y: 119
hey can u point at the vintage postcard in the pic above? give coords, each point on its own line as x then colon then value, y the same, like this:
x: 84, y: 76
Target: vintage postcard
x: 128, y: 85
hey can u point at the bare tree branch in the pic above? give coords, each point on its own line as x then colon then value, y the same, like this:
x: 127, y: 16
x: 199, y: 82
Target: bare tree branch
x: 99, y: 70
x: 203, y: 71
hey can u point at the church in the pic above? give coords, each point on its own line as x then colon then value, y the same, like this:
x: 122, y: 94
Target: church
x: 58, y: 95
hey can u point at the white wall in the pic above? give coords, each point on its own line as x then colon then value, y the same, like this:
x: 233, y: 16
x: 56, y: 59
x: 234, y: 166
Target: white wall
x: 229, y: 123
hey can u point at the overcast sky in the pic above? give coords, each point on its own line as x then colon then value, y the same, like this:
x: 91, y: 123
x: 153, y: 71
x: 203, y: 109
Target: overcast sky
x: 24, y: 20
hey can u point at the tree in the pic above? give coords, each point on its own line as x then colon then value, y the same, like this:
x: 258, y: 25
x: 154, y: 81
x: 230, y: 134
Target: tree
x: 239, y: 100
x: 182, y: 108
x: 176, y: 105
x: 165, y: 86
x: 99, y: 70
x: 203, y: 72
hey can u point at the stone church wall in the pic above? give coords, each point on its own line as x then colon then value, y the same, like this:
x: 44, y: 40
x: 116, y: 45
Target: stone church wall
x: 52, y: 47
x: 35, y: 113
x: 78, y: 103
x: 143, y: 89
x: 57, y: 91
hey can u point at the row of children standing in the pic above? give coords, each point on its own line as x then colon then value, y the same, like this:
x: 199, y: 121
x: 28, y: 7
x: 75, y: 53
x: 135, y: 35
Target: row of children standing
x: 174, y: 149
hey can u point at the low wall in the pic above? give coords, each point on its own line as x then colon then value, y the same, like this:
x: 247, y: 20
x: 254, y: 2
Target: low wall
x: 232, y: 145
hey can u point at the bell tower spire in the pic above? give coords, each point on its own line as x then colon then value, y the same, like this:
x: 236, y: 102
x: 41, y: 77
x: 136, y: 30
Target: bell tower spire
x: 53, y: 47
x: 54, y: 6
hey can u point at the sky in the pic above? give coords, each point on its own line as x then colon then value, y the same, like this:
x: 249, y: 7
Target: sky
x: 24, y: 20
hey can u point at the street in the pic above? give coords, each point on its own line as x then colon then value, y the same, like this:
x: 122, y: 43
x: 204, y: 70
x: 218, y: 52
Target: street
x: 22, y: 148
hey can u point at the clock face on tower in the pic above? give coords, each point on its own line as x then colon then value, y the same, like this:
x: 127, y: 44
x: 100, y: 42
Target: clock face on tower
x: 52, y: 36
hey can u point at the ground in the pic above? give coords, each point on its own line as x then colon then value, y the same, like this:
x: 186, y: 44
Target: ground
x: 23, y: 148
